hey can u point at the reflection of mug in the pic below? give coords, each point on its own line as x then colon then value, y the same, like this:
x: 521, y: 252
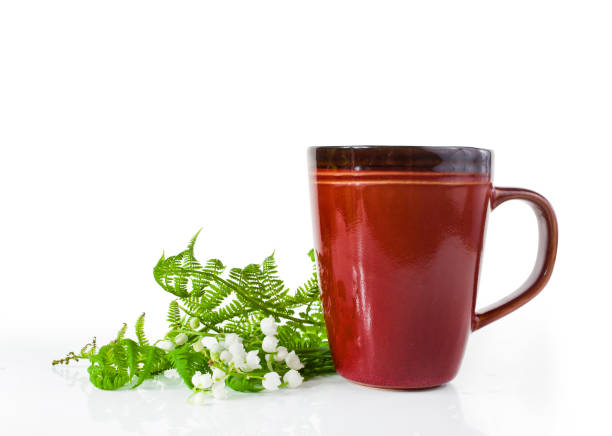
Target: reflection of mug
x: 398, y: 235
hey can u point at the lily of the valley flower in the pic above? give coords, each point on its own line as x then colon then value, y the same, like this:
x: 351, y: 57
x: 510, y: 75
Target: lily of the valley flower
x: 238, y: 356
x: 198, y: 399
x: 269, y: 344
x: 237, y: 350
x: 202, y: 381
x: 171, y: 373
x: 293, y: 378
x: 219, y: 390
x: 271, y: 381
x: 231, y: 338
x: 268, y: 326
x: 217, y: 374
x: 180, y: 339
x: 252, y: 360
x: 212, y: 344
x: 165, y: 345
x: 194, y: 323
x: 226, y: 356
x: 281, y: 353
x: 197, y: 346
x: 293, y: 361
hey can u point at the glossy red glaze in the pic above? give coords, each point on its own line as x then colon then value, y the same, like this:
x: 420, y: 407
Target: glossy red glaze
x: 398, y: 255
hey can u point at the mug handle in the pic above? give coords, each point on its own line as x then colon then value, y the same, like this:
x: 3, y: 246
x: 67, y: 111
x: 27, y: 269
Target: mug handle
x: 547, y: 251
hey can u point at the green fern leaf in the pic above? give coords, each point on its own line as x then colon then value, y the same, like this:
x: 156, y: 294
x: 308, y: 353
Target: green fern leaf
x: 140, y: 334
x: 242, y: 383
x: 121, y: 332
x: 174, y: 315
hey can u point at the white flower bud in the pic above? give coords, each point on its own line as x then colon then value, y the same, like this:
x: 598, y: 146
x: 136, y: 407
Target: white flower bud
x: 171, y: 373
x: 293, y: 378
x: 293, y: 361
x: 237, y: 350
x: 252, y: 360
x: 281, y: 353
x: 197, y: 346
x: 226, y: 356
x: 202, y: 381
x: 271, y: 381
x: 268, y: 326
x: 212, y: 344
x: 217, y: 374
x: 198, y: 399
x: 165, y: 345
x: 269, y: 344
x: 219, y: 390
x: 180, y: 339
x: 194, y: 323
x: 231, y: 338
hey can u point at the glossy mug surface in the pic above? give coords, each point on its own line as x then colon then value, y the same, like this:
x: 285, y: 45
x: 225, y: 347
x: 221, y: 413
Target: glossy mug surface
x: 398, y: 236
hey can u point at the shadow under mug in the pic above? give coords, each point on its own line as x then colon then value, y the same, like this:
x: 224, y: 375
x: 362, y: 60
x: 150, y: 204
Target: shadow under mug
x: 399, y: 233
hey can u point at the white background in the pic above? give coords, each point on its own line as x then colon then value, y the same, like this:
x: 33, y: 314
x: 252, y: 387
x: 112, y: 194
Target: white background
x: 126, y: 126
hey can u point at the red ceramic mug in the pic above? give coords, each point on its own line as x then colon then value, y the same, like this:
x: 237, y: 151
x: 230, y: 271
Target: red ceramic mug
x: 398, y: 236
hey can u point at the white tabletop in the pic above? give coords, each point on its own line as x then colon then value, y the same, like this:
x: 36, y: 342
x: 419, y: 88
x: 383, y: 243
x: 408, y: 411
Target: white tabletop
x: 508, y: 385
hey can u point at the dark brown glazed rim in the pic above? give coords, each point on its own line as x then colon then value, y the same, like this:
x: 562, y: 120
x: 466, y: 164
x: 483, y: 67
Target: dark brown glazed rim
x: 464, y: 160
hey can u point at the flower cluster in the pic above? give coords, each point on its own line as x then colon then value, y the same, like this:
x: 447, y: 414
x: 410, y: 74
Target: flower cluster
x: 228, y: 356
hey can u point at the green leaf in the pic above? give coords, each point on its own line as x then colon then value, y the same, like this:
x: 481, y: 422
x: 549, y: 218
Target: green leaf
x: 174, y: 315
x: 121, y: 332
x: 132, y: 356
x: 140, y: 334
x: 241, y: 383
x: 153, y: 362
x: 187, y: 362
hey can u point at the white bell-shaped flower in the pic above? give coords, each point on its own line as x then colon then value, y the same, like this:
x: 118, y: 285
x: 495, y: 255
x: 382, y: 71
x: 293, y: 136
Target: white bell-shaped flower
x: 252, y: 360
x: 165, y: 345
x: 293, y: 378
x: 180, y: 339
x: 268, y: 326
x: 194, y: 323
x: 226, y: 356
x: 217, y: 374
x: 198, y: 347
x: 171, y: 373
x: 212, y: 344
x: 198, y: 399
x: 202, y: 381
x: 271, y: 381
x: 219, y: 390
x: 293, y: 361
x: 281, y: 353
x: 238, y: 355
x: 231, y: 338
x: 269, y: 344
x: 237, y: 350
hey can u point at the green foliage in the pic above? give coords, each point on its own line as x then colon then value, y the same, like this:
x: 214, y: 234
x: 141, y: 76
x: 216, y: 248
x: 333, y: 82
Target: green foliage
x: 238, y: 302
x: 121, y: 332
x: 153, y: 360
x: 232, y: 302
x: 123, y: 360
x: 140, y: 334
x: 187, y: 362
x: 174, y: 315
x: 244, y: 383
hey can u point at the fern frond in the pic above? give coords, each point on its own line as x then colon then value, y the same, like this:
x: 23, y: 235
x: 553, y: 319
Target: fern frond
x: 121, y: 332
x: 187, y: 362
x: 174, y: 315
x: 140, y: 334
x: 224, y: 302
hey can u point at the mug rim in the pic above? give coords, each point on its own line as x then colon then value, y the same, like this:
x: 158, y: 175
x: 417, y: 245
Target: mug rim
x: 405, y: 147
x: 432, y: 159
